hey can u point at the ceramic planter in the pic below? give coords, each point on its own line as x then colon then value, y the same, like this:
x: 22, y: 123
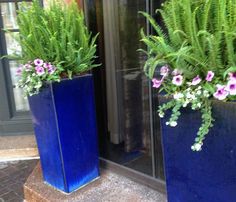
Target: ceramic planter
x: 206, y: 176
x: 64, y: 121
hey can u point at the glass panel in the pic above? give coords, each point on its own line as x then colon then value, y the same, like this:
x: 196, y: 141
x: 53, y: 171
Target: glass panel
x: 8, y: 12
x: 132, y: 146
x: 21, y: 103
x: 13, y: 46
x: 24, y: 5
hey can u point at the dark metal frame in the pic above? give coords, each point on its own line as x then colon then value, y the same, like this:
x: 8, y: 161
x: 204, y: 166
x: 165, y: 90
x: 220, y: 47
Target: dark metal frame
x: 136, y: 176
x: 11, y: 121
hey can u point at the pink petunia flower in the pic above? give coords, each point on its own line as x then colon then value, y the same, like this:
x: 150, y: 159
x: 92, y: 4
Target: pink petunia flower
x: 210, y: 76
x: 51, y: 69
x: 176, y: 72
x: 156, y: 83
x: 231, y: 87
x: 19, y: 71
x: 39, y: 70
x: 47, y: 65
x: 27, y: 67
x: 232, y: 76
x: 177, y: 80
x: 38, y: 62
x: 221, y: 92
x: 196, y: 80
x: 164, y: 71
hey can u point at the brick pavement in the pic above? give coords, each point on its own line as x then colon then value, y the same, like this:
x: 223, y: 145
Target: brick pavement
x: 12, y: 178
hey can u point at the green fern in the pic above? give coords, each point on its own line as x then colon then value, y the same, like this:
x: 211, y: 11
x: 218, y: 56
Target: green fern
x: 200, y: 35
x: 199, y: 40
x: 58, y: 35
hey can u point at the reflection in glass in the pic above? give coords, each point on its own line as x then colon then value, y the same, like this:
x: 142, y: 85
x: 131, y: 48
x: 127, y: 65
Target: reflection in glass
x: 21, y: 103
x: 8, y: 12
x: 13, y: 46
x: 131, y: 146
x: 24, y: 5
x: 134, y: 86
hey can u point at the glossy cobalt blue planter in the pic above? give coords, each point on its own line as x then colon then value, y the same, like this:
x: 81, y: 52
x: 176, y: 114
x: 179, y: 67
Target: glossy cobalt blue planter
x: 64, y: 121
x: 206, y: 176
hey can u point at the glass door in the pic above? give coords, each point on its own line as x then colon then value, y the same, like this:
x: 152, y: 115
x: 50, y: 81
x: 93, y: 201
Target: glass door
x: 14, y: 115
x: 134, y: 133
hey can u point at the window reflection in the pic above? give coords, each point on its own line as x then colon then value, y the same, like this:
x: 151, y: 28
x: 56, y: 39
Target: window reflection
x: 8, y: 12
x: 21, y: 103
x: 13, y: 46
x: 131, y: 145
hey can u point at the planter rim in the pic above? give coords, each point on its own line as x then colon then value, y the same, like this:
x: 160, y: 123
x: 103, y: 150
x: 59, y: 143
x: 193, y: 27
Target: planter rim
x: 68, y: 79
x: 50, y: 83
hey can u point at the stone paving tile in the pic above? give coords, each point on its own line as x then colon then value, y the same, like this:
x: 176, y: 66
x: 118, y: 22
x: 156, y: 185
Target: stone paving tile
x: 12, y: 178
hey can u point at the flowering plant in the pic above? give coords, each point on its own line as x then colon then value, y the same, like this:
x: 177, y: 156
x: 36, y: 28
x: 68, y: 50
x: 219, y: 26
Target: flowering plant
x: 57, y: 42
x: 34, y: 74
x: 194, y: 56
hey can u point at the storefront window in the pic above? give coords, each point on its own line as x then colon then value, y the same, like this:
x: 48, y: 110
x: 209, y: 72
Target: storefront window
x: 10, y: 46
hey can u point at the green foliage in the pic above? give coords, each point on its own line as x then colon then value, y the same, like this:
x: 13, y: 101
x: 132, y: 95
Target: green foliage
x: 58, y: 35
x: 198, y: 40
x: 197, y: 36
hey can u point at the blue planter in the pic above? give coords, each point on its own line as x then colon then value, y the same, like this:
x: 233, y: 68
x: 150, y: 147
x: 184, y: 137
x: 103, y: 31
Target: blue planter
x: 64, y: 121
x: 206, y: 176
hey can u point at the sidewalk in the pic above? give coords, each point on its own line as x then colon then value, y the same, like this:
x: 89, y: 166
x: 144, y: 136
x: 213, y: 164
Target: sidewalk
x: 12, y: 178
x: 111, y: 187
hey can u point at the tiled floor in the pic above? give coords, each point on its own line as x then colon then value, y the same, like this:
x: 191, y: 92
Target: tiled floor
x: 12, y: 177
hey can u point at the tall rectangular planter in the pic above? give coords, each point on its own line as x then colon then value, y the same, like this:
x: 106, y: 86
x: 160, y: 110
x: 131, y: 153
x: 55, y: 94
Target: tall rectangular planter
x: 208, y: 175
x: 64, y: 121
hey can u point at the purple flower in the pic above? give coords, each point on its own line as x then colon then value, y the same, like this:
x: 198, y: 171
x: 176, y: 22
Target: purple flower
x: 156, y: 83
x: 38, y: 62
x: 231, y: 87
x: 39, y: 70
x: 232, y: 76
x: 196, y: 80
x: 51, y: 69
x: 176, y: 72
x: 19, y: 71
x: 177, y: 80
x: 221, y: 92
x: 47, y: 65
x: 27, y: 67
x: 210, y: 76
x: 164, y: 71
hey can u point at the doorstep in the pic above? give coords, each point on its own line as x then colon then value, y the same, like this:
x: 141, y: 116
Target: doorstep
x: 18, y: 147
x: 108, y: 188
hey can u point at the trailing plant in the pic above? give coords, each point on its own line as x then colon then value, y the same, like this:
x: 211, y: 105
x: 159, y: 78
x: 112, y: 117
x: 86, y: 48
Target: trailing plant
x: 195, y: 54
x: 55, y: 35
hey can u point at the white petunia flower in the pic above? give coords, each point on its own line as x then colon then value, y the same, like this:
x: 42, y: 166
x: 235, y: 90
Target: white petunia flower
x: 178, y: 96
x: 186, y: 103
x: 161, y: 114
x: 197, y: 147
x: 199, y: 92
x: 189, y: 95
x: 173, y: 123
